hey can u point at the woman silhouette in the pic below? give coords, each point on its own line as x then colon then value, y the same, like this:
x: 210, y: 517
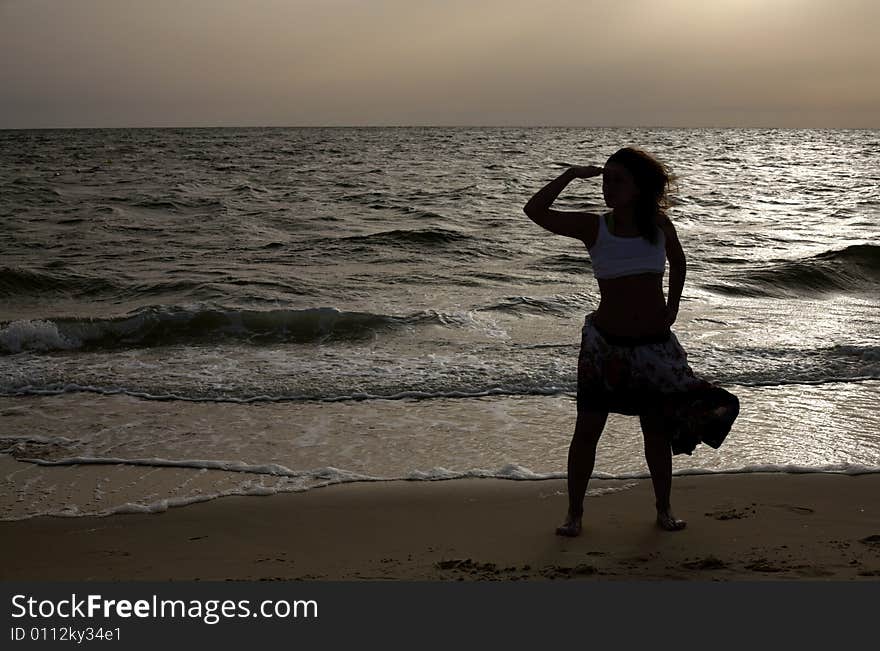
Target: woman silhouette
x: 630, y: 362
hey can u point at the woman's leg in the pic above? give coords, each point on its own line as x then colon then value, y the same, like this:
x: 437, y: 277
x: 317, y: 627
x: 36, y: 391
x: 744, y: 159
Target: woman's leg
x: 658, y: 454
x: 581, y: 458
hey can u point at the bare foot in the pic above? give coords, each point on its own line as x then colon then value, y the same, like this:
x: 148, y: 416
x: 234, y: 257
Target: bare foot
x: 665, y: 520
x: 571, y: 528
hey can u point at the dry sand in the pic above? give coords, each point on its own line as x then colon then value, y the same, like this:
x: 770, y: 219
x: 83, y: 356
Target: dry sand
x: 740, y: 527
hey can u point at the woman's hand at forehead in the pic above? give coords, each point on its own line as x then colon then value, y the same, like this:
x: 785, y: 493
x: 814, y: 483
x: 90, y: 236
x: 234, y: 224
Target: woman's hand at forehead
x: 585, y: 171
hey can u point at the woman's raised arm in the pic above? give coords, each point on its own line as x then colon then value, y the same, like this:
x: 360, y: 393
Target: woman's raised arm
x: 570, y: 224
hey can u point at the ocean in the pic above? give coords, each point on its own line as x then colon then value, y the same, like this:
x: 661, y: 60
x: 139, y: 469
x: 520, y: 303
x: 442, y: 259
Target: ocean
x: 191, y: 313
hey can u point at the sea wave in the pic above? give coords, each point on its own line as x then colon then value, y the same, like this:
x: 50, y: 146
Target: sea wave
x: 417, y: 241
x: 170, y: 325
x: 563, y: 263
x: 854, y: 269
x: 161, y: 325
x: 561, y: 305
x: 488, y: 387
x: 405, y: 237
x: 17, y: 282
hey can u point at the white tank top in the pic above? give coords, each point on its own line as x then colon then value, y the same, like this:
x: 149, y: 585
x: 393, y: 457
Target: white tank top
x: 615, y: 256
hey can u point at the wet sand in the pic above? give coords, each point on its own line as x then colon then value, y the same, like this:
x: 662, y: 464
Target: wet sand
x: 740, y: 527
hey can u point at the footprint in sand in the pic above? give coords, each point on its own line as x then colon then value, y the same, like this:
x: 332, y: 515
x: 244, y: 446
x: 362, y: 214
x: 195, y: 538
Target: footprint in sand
x: 560, y: 571
x: 707, y: 563
x: 763, y: 565
x: 732, y: 513
x: 800, y: 510
x: 473, y: 567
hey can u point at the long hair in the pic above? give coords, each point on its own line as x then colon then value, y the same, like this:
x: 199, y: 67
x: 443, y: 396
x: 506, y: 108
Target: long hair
x: 653, y: 181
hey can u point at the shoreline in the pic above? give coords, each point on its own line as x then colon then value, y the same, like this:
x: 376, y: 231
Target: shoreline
x: 78, y: 454
x: 769, y: 526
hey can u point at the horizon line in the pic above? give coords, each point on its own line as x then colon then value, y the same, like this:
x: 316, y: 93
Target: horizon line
x: 438, y: 126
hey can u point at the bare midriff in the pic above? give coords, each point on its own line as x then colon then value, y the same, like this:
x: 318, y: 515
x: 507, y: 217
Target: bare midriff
x: 632, y: 306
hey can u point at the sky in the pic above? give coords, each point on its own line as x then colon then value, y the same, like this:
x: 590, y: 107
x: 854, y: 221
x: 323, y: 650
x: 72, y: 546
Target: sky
x: 660, y: 63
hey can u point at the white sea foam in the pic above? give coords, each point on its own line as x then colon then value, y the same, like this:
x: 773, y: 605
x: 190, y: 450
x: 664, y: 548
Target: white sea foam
x: 36, y: 335
x: 509, y: 471
x: 35, y: 438
x: 300, y: 481
x: 400, y: 395
x: 208, y: 464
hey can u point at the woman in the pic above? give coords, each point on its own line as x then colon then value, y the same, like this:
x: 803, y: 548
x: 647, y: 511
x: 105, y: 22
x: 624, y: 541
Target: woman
x: 630, y: 362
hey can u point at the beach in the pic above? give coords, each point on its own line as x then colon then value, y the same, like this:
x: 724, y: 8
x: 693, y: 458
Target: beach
x: 763, y: 527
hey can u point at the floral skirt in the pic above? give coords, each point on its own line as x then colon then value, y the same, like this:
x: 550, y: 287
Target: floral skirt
x: 650, y: 377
